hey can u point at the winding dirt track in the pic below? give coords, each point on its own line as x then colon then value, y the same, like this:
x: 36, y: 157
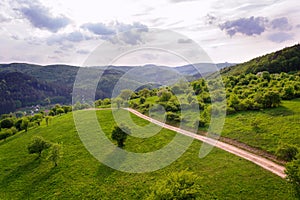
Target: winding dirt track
x: 263, y: 162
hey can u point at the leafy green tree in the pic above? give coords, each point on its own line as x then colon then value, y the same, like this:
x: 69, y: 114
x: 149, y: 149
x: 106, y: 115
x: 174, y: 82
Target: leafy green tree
x: 182, y: 185
x: 7, y: 123
x: 25, y: 124
x: 18, y: 124
x: 37, y: 145
x: 48, y: 120
x: 293, y: 174
x: 55, y: 153
x: 126, y: 94
x: 118, y: 101
x: 119, y: 134
x: 60, y: 111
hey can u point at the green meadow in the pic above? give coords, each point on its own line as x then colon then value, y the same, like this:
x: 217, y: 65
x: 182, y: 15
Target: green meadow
x: 80, y: 176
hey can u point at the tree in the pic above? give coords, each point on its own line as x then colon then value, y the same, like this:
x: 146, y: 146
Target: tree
x: 126, y: 94
x: 60, y: 111
x: 37, y: 145
x: 293, y: 174
x: 25, y: 124
x: 48, y: 120
x: 118, y: 102
x: 7, y: 123
x: 119, y: 134
x: 55, y: 153
x: 178, y: 185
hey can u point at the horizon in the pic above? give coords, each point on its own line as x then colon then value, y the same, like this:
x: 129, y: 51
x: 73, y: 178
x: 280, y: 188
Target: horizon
x: 45, y: 32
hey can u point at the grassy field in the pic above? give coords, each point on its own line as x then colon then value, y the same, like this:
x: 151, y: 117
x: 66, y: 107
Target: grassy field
x: 266, y: 129
x: 80, y: 176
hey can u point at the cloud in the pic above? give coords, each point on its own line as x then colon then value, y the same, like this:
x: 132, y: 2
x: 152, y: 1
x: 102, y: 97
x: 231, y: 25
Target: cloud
x: 127, y: 33
x: 4, y: 18
x: 40, y: 16
x: 131, y: 33
x: 246, y: 26
x: 83, y: 52
x: 180, y: 1
x: 280, y: 37
x: 184, y: 41
x: 281, y: 24
x: 75, y: 36
x: 98, y: 28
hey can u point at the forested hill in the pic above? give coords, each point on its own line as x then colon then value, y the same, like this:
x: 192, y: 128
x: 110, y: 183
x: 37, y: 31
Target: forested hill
x: 20, y: 90
x: 285, y: 60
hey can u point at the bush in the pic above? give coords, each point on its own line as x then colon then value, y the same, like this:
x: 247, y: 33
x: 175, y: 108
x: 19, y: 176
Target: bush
x: 55, y: 154
x: 287, y: 152
x: 293, y: 175
x: 178, y: 185
x: 7, y: 123
x: 37, y: 145
x: 5, y: 134
x: 172, y: 117
x: 119, y: 134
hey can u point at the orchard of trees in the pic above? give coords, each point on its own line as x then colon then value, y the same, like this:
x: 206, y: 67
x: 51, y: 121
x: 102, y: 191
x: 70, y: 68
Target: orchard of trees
x: 10, y: 124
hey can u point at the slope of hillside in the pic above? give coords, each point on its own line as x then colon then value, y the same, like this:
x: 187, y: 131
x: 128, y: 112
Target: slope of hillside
x: 80, y: 176
x: 20, y: 90
x: 285, y: 60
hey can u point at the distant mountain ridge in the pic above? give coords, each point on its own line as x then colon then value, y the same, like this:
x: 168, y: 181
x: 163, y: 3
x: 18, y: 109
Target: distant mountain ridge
x: 55, y: 82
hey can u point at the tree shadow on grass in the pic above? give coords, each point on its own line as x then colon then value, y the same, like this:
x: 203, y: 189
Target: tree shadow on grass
x: 280, y: 111
x: 27, y: 186
x: 38, y: 181
x: 20, y: 171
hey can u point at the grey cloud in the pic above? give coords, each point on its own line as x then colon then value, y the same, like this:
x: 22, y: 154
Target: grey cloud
x: 280, y: 37
x: 66, y: 47
x: 4, y: 18
x: 128, y: 33
x: 210, y: 19
x: 121, y: 27
x: 131, y: 33
x: 247, y: 26
x: 98, y: 28
x: 180, y: 1
x: 75, y: 36
x: 40, y: 17
x: 83, y: 52
x: 184, y: 41
x: 298, y: 26
x: 281, y: 24
x: 58, y: 52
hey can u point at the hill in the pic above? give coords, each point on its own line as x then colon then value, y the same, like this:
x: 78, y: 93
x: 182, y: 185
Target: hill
x: 60, y: 80
x: 19, y: 90
x: 80, y: 176
x: 285, y: 60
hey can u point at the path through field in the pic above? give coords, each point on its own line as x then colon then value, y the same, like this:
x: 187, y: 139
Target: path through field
x: 261, y: 161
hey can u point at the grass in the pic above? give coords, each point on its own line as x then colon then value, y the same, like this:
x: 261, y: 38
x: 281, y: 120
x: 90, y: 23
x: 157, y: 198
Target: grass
x: 266, y: 129
x: 80, y: 176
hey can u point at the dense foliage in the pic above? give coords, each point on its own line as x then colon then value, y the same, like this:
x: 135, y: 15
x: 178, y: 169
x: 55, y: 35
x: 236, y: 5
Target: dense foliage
x: 286, y: 60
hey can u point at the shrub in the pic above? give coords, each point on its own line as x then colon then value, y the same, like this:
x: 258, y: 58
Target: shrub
x: 293, y: 175
x: 7, y: 123
x: 119, y: 134
x: 287, y: 152
x: 178, y: 185
x: 37, y: 145
x: 5, y: 134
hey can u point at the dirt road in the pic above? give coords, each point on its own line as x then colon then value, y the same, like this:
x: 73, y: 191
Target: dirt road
x: 263, y: 162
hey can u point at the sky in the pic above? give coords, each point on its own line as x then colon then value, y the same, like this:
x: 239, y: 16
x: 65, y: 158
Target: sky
x: 68, y: 32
